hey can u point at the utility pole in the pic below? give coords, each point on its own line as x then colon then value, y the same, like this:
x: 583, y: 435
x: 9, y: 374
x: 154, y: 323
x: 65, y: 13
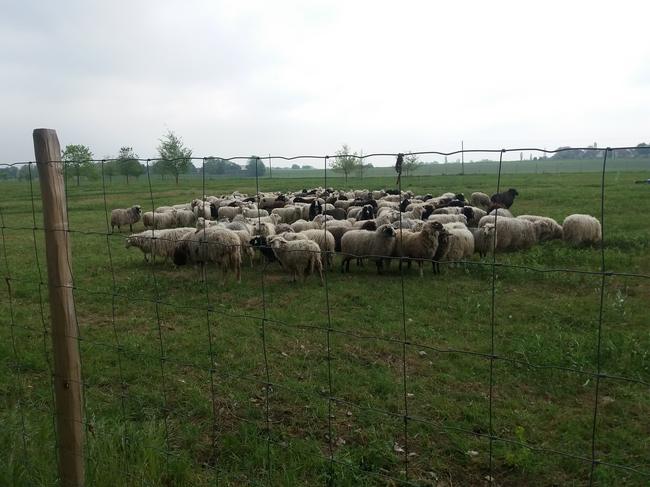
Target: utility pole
x: 462, y: 158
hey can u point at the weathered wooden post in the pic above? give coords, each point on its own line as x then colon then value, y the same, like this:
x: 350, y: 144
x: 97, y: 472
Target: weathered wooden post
x: 67, y: 369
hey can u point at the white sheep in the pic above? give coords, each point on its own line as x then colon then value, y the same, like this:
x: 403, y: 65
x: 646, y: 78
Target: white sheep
x: 300, y: 225
x: 159, y: 221
x: 480, y: 200
x: 548, y: 229
x: 378, y: 245
x: 255, y: 212
x: 484, y: 239
x: 300, y: 257
x: 501, y: 212
x: 581, y: 229
x: 418, y: 246
x: 326, y: 242
x: 448, y: 219
x: 125, y: 216
x: 185, y: 217
x: 213, y: 244
x: 461, y: 242
x: 159, y: 243
x: 289, y: 214
x: 228, y: 212
x: 512, y: 233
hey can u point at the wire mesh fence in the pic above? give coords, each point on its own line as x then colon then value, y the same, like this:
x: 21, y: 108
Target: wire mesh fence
x: 506, y: 369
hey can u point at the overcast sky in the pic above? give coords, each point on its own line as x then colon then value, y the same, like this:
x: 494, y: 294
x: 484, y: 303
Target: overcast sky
x: 290, y: 77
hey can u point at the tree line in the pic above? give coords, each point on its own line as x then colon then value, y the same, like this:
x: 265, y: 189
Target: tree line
x: 174, y: 159
x: 592, y: 152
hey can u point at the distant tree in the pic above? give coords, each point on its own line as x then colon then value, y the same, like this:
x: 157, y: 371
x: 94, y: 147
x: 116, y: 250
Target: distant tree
x: 307, y: 166
x: 24, y: 173
x: 175, y: 158
x: 295, y: 166
x: 78, y: 158
x: 345, y: 161
x: 642, y: 150
x: 127, y: 163
x: 108, y: 168
x: 250, y: 167
x: 411, y: 164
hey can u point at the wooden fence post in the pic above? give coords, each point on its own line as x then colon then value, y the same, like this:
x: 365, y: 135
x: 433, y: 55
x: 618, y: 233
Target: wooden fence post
x: 67, y: 368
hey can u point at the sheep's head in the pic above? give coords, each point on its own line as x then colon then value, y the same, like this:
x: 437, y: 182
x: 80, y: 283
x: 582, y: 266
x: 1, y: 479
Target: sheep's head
x: 128, y: 243
x: 137, y: 209
x: 459, y: 196
x: 387, y: 231
x: 214, y: 211
x: 468, y: 212
x: 437, y: 226
x: 513, y: 192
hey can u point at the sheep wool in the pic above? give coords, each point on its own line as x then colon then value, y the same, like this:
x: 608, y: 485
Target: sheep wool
x: 378, y: 245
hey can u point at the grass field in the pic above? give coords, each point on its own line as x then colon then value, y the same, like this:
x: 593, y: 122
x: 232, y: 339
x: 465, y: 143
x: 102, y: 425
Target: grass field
x: 199, y: 416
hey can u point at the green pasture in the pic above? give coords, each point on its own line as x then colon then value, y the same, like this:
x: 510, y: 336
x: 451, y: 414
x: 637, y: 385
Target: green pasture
x: 268, y: 382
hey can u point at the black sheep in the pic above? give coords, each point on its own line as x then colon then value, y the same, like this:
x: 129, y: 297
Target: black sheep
x: 214, y: 211
x: 366, y: 213
x: 260, y: 243
x: 505, y: 199
x: 315, y: 208
x: 402, y: 206
x: 443, y: 246
x: 337, y: 213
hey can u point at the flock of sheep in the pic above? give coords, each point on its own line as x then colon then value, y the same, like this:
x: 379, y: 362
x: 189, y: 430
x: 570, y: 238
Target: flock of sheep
x: 303, y: 230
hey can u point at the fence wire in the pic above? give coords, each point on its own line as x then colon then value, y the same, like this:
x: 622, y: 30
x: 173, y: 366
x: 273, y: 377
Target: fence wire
x: 217, y: 314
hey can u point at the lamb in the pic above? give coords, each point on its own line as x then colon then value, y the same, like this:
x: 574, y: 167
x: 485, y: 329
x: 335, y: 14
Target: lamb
x: 418, y: 245
x: 213, y: 244
x: 160, y: 243
x: 260, y: 242
x: 503, y: 200
x: 125, y: 216
x: 159, y: 221
x: 378, y: 245
x: 581, y: 229
x: 326, y: 242
x: 300, y: 257
x: 548, y: 229
x: 480, y: 200
x: 202, y: 209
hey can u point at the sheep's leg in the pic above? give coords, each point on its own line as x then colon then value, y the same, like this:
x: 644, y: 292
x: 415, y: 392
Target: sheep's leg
x: 420, y: 266
x: 131, y: 227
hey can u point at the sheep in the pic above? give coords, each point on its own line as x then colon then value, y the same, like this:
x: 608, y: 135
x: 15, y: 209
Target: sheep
x: 512, y: 233
x: 501, y: 212
x: 260, y: 243
x: 160, y: 243
x: 300, y: 257
x: 326, y: 242
x: 288, y: 214
x: 183, y: 206
x: 229, y: 212
x: 159, y: 221
x: 163, y: 209
x: 418, y: 245
x: 548, y: 229
x: 480, y: 200
x: 461, y: 243
x: 271, y: 202
x: 300, y: 225
x: 213, y: 244
x: 448, y: 218
x: 378, y: 245
x: 503, y: 200
x: 125, y: 216
x: 264, y: 229
x: 246, y: 247
x: 581, y: 229
x: 254, y: 212
x: 202, y: 209
x: 441, y: 251
x: 484, y: 238
x: 185, y: 218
